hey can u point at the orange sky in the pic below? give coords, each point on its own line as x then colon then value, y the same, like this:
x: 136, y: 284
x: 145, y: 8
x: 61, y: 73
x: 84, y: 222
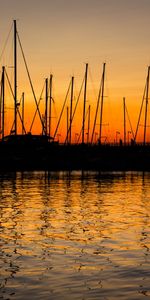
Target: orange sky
x: 60, y: 36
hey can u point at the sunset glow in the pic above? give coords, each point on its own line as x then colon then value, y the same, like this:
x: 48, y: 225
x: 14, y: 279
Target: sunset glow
x: 59, y: 38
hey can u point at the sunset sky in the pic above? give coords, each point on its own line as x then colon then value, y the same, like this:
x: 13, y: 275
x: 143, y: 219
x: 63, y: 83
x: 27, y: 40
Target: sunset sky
x: 60, y: 36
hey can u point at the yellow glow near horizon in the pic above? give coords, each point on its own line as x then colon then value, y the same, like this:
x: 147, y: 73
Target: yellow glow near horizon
x: 114, y: 32
x: 112, y: 110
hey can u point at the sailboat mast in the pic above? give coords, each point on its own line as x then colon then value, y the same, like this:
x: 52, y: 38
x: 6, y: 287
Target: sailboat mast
x: 3, y: 101
x: 89, y: 113
x: 46, y: 104
x: 102, y: 102
x: 22, y: 113
x: 71, y: 100
x: 50, y: 104
x: 124, y: 119
x: 146, y: 108
x: 15, y: 77
x: 67, y: 122
x: 1, y: 91
x: 84, y: 104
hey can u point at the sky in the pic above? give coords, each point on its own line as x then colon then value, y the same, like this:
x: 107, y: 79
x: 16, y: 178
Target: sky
x: 60, y: 36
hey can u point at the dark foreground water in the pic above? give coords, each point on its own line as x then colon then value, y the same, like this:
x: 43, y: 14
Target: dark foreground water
x: 75, y: 236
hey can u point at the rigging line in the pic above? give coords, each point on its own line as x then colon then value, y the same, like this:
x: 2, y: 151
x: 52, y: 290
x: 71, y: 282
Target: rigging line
x: 140, y: 113
x: 62, y: 110
x: 17, y: 106
x: 75, y: 108
x: 36, y: 109
x: 6, y: 42
x: 130, y: 122
x: 82, y: 127
x: 78, y: 99
x: 30, y: 82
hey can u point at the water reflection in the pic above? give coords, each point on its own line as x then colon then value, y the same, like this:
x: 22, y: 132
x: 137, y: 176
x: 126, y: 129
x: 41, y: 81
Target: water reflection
x: 78, y: 235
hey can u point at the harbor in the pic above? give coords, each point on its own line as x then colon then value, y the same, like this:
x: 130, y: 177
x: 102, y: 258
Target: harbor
x: 74, y: 150
x: 89, y: 150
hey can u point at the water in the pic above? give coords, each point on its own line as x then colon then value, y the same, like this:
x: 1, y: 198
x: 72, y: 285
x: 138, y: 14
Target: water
x: 75, y: 236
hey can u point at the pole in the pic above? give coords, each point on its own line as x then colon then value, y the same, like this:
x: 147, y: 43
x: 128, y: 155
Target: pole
x: 15, y: 77
x: 67, y: 122
x: 84, y: 104
x: 3, y: 102
x: 88, y: 124
x: 146, y: 108
x: 71, y: 101
x: 1, y: 91
x: 102, y: 100
x: 97, y: 107
x: 46, y: 103
x: 124, y: 117
x: 50, y: 104
x: 22, y: 113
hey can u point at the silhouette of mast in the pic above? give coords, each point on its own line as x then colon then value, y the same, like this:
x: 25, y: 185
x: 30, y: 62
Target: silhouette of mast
x: 146, y: 107
x: 31, y: 84
x: 3, y: 101
x: 73, y: 114
x: 71, y: 101
x: 57, y: 126
x: 50, y: 104
x: 1, y: 91
x: 46, y: 104
x: 84, y: 104
x: 102, y: 101
x: 127, y: 114
x: 88, y: 132
x: 97, y: 107
x: 124, y: 119
x: 137, y: 127
x: 67, y: 122
x: 22, y: 113
x: 15, y: 77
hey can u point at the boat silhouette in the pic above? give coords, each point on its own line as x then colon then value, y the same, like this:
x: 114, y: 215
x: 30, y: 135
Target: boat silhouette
x: 29, y: 151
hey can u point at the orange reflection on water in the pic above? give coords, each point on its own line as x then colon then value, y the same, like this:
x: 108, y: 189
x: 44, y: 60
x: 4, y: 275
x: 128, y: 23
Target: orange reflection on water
x: 75, y: 234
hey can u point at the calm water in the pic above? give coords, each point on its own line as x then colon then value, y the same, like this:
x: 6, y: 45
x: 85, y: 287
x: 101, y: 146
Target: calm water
x: 75, y: 236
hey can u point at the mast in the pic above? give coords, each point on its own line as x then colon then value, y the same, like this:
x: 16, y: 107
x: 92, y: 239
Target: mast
x: 15, y: 77
x: 3, y: 101
x: 84, y: 104
x: 46, y: 104
x: 1, y: 91
x: 146, y: 108
x: 71, y: 100
x: 22, y: 113
x: 102, y: 101
x: 50, y: 104
x: 88, y: 124
x: 67, y: 122
x: 57, y: 126
x: 124, y: 119
x: 97, y: 107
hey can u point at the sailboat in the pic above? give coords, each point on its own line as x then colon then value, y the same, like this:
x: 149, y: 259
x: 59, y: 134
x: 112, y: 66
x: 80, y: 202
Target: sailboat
x: 27, y: 151
x: 25, y: 137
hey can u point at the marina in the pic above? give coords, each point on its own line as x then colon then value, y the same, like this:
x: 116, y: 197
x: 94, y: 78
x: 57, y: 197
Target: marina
x: 74, y: 150
x: 25, y: 150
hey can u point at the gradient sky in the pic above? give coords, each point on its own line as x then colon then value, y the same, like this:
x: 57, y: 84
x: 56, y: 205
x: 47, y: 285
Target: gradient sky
x: 60, y: 36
